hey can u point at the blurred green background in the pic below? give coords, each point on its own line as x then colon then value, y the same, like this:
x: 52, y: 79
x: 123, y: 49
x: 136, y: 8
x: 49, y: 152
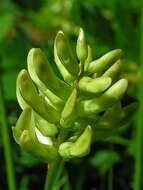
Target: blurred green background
x: 108, y: 24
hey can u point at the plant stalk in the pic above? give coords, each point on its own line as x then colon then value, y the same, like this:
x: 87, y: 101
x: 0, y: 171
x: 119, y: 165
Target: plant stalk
x: 110, y: 179
x: 139, y: 127
x: 51, y: 174
x: 6, y: 145
x: 53, y: 167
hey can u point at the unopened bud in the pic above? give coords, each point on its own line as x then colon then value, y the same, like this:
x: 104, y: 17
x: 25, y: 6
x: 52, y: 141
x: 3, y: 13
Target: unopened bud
x: 81, y: 48
x: 102, y: 64
x: 30, y: 95
x: 64, y: 59
x: 68, y: 113
x: 96, y: 85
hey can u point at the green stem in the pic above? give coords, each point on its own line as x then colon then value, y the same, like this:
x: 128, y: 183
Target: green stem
x: 110, y: 173
x: 102, y: 182
x: 81, y: 178
x: 51, y: 174
x: 6, y: 145
x: 54, y: 166
x: 110, y: 179
x: 139, y: 129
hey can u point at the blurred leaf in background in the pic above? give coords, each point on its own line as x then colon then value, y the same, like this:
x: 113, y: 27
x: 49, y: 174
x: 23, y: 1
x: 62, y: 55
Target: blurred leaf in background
x: 104, y: 160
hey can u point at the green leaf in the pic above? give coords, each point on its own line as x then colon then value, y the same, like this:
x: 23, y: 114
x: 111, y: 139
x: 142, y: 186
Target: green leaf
x: 103, y: 160
x: 8, y: 82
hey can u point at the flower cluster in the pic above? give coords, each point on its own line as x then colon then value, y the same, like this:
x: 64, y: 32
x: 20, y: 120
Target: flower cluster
x: 62, y: 118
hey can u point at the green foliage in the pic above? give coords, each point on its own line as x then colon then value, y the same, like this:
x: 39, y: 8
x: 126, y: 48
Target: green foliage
x: 104, y: 160
x: 8, y: 15
x: 108, y: 25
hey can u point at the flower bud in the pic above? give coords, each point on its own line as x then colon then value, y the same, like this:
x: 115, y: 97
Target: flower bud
x: 82, y: 145
x: 21, y: 124
x: 106, y: 100
x: 46, y: 153
x: 81, y: 47
x: 64, y: 59
x: 68, y: 113
x: 118, y: 89
x: 88, y: 59
x: 103, y: 63
x: 96, y: 85
x: 47, y: 129
x: 64, y: 149
x: 79, y: 148
x: 39, y: 65
x: 30, y: 95
x: 49, y: 85
x: 23, y: 104
x: 25, y: 135
x: 72, y: 139
x: 114, y: 70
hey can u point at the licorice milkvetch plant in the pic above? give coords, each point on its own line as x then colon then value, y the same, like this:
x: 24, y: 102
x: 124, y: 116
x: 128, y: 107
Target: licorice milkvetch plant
x: 62, y: 118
